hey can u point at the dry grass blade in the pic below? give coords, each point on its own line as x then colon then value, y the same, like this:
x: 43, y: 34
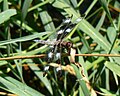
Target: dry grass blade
x: 43, y: 55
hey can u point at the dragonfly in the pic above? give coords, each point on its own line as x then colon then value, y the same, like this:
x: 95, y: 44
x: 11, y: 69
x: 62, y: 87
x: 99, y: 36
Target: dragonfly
x: 56, y: 46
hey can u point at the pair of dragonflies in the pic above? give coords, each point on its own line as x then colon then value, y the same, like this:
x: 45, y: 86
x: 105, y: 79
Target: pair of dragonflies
x: 55, y: 52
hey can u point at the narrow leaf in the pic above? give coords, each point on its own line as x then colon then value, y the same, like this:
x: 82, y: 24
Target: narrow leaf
x: 25, y: 8
x: 82, y: 82
x: 111, y: 33
x: 25, y: 38
x: 4, y: 16
x: 113, y: 67
x: 16, y: 87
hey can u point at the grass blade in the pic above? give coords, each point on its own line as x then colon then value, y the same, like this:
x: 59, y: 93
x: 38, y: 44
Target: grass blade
x: 82, y: 83
x: 16, y: 87
x: 4, y: 16
x: 25, y: 38
x: 26, y: 5
x: 113, y: 67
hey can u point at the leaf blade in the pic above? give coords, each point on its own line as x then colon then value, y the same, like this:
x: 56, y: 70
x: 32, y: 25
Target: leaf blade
x: 4, y: 16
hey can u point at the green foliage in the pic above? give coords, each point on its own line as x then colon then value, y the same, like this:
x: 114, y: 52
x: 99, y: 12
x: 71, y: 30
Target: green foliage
x: 21, y: 22
x: 6, y: 15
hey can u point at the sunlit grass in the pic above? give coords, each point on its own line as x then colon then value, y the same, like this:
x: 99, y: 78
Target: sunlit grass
x: 22, y: 22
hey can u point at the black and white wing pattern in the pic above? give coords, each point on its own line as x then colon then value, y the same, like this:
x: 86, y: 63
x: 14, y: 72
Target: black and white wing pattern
x: 54, y: 54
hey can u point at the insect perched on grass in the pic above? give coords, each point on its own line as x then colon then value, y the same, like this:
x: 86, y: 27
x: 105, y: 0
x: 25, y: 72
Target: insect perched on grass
x: 55, y: 52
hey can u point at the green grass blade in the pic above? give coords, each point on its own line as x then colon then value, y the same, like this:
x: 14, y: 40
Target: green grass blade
x: 101, y: 21
x: 16, y: 87
x: 90, y: 7
x: 97, y: 37
x: 64, y: 6
x: 4, y: 16
x: 39, y: 74
x: 113, y: 67
x: 105, y: 4
x: 25, y: 7
x: 82, y: 82
x: 1, y: 1
x: 24, y: 38
x: 94, y: 63
x: 38, y: 5
x: 3, y: 63
x: 5, y: 5
x: 47, y: 22
x: 106, y: 92
x: 111, y: 33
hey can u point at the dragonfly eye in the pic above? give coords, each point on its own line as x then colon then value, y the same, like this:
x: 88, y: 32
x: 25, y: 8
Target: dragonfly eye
x: 69, y: 44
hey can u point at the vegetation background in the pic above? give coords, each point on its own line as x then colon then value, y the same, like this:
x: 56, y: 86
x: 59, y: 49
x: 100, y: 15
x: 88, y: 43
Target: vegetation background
x: 22, y: 21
